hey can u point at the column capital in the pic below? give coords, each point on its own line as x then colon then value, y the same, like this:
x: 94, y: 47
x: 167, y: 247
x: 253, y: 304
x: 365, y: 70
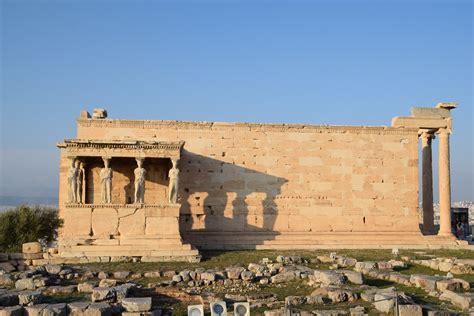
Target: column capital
x: 443, y: 132
x: 427, y: 134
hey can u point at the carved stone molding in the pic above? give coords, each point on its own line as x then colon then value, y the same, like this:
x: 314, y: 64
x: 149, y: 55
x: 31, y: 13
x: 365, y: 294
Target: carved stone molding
x: 294, y: 128
x: 125, y: 148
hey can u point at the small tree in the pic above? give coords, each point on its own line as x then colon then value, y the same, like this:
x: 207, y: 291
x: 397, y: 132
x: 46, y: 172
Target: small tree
x: 26, y: 224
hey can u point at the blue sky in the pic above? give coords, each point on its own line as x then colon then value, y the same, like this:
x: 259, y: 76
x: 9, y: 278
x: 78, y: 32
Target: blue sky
x: 320, y: 62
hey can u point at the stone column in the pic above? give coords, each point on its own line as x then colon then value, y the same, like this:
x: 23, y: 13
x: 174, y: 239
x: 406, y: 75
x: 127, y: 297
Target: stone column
x: 427, y: 181
x: 444, y: 184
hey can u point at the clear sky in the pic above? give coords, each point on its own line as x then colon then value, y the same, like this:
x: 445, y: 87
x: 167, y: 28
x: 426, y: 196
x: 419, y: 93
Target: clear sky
x: 320, y: 62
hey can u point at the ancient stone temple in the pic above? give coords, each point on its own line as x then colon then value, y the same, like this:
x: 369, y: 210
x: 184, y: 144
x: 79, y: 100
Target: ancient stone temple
x: 160, y: 190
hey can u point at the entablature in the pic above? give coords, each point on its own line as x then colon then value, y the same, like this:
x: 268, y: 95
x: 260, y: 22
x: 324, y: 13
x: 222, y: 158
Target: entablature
x: 121, y: 148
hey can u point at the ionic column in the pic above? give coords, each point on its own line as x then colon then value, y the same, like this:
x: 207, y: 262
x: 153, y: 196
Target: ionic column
x: 427, y: 181
x: 444, y: 184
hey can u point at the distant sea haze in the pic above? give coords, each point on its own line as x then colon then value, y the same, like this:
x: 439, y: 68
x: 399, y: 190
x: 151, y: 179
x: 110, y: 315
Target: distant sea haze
x: 7, y: 202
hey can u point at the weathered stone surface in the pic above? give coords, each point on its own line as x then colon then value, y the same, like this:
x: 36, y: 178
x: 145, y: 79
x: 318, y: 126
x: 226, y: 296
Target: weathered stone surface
x: 282, y: 277
x: 314, y: 299
x: 353, y: 276
x: 103, y: 294
x: 35, y: 310
x: 246, y: 275
x: 25, y: 284
x: 461, y: 300
x: 137, y: 304
x: 338, y: 296
x: 86, y: 287
x: 98, y: 309
x: 452, y: 285
x: 29, y: 297
x: 208, y: 276
x: 12, y: 311
x: 53, y: 268
x: 410, y: 310
x: 77, y: 308
x: 426, y: 282
x: 121, y: 274
x: 334, y: 312
x: 5, y: 280
x: 329, y: 277
x: 107, y: 283
x: 362, y: 266
x: 32, y: 247
x: 9, y: 299
x: 384, y: 302
x: 7, y: 267
x: 59, y: 309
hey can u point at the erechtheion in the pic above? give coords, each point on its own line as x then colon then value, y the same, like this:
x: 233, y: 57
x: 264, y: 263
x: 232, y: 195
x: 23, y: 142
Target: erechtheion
x: 161, y: 190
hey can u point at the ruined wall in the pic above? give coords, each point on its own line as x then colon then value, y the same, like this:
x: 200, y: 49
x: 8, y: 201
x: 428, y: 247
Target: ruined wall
x: 264, y: 178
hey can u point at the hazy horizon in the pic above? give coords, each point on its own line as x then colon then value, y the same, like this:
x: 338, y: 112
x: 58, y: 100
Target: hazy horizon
x: 322, y: 62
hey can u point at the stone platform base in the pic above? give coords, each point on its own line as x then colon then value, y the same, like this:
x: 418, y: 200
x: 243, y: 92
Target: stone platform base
x: 144, y: 248
x: 332, y: 240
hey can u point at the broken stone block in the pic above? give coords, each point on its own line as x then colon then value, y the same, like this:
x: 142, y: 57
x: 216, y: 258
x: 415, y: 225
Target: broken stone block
x: 246, y: 275
x: 445, y: 266
x: 98, y: 309
x: 384, y: 302
x: 346, y: 261
x: 454, y: 285
x: 59, y: 309
x: 7, y: 267
x: 25, y: 284
x: 461, y: 269
x: 35, y: 310
x: 282, y: 277
x: 5, y: 280
x: 99, y: 113
x: 426, y: 282
x: 357, y: 311
x: 9, y: 299
x: 208, y: 276
x: 122, y: 291
x: 294, y: 300
x: 185, y: 275
x: 29, y: 297
x: 334, y: 312
x: 12, y: 311
x: 462, y: 300
x: 137, y: 304
x: 32, y: 247
x: 410, y: 310
x: 338, y: 296
x: 362, y: 266
x: 383, y: 265
x: 122, y: 274
x: 107, y: 283
x: 103, y: 294
x: 77, y: 308
x: 169, y: 273
x: 53, y: 268
x: 329, y: 277
x: 314, y: 299
x: 176, y: 278
x: 86, y: 287
x: 152, y: 274
x: 353, y: 276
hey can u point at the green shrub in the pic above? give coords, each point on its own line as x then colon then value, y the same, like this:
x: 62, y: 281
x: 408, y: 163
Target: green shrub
x: 26, y: 224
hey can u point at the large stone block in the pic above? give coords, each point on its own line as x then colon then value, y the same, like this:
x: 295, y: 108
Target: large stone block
x: 104, y: 222
x: 32, y: 248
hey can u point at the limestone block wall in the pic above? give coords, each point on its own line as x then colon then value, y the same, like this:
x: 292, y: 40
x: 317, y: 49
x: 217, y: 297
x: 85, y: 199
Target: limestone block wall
x: 283, y: 179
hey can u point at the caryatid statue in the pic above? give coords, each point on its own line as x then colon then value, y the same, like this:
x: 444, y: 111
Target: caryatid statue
x: 106, y: 182
x: 80, y: 181
x: 139, y: 181
x: 72, y: 182
x: 173, y: 185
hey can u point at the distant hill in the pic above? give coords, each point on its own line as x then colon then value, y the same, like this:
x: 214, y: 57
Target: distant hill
x: 13, y: 201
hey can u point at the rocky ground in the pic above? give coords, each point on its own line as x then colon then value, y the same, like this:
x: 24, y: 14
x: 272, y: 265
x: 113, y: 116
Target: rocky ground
x: 351, y: 282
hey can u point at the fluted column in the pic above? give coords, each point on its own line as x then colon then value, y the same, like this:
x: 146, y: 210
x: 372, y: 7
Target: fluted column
x: 427, y: 181
x: 444, y: 184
